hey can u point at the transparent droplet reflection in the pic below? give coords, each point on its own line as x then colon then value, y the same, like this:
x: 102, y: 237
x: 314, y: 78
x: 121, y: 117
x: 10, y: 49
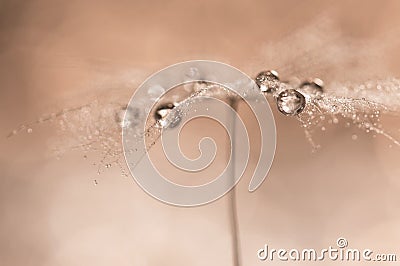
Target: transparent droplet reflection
x: 290, y: 102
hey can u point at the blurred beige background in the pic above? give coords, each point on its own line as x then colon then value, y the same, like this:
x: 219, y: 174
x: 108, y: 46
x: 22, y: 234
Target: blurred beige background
x: 56, y: 54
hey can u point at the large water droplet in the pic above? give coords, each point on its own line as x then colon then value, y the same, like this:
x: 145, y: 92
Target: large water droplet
x: 290, y: 102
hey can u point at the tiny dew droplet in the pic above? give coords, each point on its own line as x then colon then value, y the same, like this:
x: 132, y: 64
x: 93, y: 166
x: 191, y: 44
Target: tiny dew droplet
x: 193, y: 73
x: 354, y: 137
x: 29, y: 130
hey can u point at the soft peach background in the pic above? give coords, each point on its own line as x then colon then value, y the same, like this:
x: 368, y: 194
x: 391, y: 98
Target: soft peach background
x: 62, y: 53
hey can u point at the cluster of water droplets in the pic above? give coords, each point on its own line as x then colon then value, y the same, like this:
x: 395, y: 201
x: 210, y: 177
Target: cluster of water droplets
x: 328, y: 109
x: 169, y: 111
x: 93, y: 129
x: 316, y: 106
x: 96, y: 127
x: 359, y: 106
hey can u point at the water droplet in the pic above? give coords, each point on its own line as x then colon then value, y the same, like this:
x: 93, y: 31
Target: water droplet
x: 323, y: 128
x: 335, y: 120
x: 155, y: 91
x: 354, y: 137
x: 312, y: 87
x: 334, y: 108
x: 29, y: 130
x: 291, y: 102
x: 193, y: 73
x: 128, y: 117
x: 268, y: 81
x: 167, y: 115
